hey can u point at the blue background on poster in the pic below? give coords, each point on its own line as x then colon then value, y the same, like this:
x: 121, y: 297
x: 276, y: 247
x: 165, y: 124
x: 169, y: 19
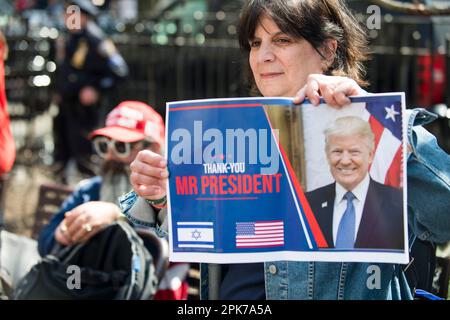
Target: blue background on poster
x: 224, y: 214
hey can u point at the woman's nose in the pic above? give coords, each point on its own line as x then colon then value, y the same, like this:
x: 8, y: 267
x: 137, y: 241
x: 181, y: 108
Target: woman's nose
x: 266, y: 53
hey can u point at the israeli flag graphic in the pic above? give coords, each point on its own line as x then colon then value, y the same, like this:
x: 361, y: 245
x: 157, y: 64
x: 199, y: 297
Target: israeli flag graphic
x: 195, y: 234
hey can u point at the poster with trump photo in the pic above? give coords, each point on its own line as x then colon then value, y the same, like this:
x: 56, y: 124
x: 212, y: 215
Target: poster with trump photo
x: 263, y: 179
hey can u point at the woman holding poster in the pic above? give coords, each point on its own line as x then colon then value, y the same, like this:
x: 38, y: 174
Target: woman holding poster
x: 309, y: 49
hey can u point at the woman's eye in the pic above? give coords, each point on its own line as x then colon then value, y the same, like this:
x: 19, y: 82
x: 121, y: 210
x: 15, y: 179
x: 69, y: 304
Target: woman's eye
x: 283, y: 40
x: 255, y: 44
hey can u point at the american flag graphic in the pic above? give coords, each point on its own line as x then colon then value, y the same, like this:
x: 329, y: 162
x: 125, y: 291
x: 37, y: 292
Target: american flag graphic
x: 386, y: 122
x: 260, y: 234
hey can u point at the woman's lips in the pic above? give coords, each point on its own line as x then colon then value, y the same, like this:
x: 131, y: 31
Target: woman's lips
x: 269, y: 75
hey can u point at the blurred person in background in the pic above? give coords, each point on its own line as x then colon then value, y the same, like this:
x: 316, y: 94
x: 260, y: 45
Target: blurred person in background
x: 89, y: 68
x: 131, y: 126
x: 7, y: 146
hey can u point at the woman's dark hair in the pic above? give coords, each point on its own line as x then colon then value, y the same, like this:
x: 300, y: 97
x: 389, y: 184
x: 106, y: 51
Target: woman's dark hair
x: 315, y: 21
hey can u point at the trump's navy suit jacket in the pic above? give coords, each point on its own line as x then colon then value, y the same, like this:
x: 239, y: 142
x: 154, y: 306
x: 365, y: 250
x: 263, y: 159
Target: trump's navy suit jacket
x: 381, y: 225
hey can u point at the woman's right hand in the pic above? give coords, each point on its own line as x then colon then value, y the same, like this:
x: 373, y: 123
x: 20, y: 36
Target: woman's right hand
x: 149, y: 175
x: 335, y: 90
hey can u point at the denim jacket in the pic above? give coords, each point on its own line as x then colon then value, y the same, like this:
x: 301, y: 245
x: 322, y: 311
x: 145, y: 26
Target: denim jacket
x: 428, y: 218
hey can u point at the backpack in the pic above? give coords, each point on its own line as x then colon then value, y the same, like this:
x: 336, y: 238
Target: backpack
x: 113, y: 264
x: 420, y: 271
x: 427, y: 274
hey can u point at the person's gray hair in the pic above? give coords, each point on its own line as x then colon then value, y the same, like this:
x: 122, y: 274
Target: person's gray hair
x: 350, y: 126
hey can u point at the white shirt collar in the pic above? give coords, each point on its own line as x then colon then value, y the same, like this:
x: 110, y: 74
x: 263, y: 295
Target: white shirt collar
x: 360, y: 191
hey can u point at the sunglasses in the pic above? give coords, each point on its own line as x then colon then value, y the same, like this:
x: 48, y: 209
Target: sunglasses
x: 102, y: 145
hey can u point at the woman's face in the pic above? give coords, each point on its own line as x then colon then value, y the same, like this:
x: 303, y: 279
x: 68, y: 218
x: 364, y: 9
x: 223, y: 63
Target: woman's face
x: 280, y: 63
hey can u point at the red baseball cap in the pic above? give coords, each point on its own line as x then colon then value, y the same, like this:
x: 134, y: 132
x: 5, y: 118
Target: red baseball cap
x: 133, y: 121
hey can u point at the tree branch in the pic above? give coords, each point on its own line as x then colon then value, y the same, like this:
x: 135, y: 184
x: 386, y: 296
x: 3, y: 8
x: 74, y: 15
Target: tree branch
x: 413, y: 8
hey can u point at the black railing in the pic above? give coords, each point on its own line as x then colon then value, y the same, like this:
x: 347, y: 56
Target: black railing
x: 29, y: 74
x: 161, y: 73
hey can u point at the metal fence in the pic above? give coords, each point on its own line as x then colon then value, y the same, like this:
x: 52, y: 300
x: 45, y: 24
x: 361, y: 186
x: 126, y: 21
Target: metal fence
x: 409, y: 55
x: 28, y: 71
x: 162, y: 73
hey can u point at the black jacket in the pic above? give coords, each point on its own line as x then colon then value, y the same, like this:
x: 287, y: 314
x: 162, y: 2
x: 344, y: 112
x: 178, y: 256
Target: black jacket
x: 381, y: 224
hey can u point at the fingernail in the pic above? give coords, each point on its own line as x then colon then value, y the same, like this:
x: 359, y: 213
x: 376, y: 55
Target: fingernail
x: 164, y: 174
x: 163, y: 163
x: 68, y: 213
x: 302, y: 95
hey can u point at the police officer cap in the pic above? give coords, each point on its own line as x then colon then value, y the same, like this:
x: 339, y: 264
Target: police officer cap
x: 85, y: 6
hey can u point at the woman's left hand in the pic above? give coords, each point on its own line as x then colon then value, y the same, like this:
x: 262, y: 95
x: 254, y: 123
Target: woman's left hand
x: 335, y: 90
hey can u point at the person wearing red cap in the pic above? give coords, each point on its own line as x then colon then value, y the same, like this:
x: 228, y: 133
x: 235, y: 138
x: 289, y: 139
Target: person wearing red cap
x: 130, y: 127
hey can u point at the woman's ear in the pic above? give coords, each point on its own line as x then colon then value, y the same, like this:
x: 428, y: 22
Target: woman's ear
x: 328, y: 51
